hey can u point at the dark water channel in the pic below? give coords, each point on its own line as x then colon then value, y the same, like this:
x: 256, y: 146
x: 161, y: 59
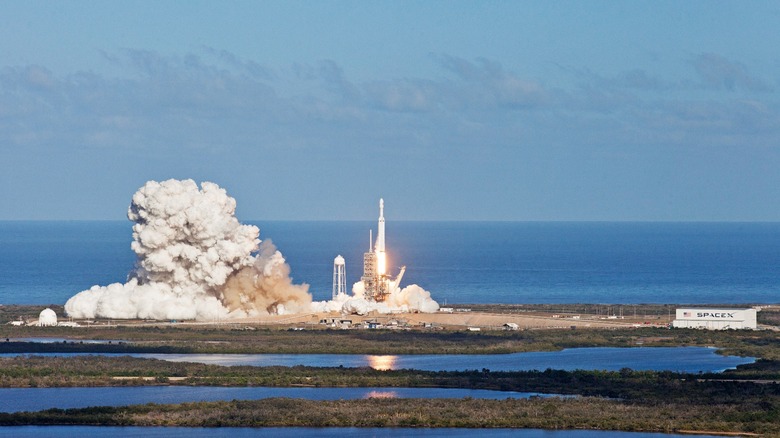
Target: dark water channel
x: 36, y: 399
x: 680, y: 359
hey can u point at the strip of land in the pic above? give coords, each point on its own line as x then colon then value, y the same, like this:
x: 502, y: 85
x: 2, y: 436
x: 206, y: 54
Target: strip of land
x: 742, y: 401
x: 39, y: 371
x: 556, y: 413
x: 206, y: 340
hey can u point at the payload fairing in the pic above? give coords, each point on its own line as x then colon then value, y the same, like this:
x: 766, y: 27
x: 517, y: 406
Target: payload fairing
x: 377, y: 284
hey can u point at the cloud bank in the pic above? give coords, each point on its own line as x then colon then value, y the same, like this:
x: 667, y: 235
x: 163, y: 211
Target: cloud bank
x: 583, y: 142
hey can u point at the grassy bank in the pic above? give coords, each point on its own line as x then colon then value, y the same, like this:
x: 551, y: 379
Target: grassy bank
x: 172, y: 339
x: 624, y: 400
x: 583, y: 413
x: 37, y: 371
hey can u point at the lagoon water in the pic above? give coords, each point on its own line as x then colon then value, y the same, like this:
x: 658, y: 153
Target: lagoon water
x: 459, y: 262
x: 305, y: 432
x: 36, y: 399
x: 682, y: 359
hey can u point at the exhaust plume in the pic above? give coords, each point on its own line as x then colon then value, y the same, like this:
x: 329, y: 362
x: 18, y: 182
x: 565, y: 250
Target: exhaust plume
x: 194, y: 262
x: 266, y: 287
x: 412, y: 298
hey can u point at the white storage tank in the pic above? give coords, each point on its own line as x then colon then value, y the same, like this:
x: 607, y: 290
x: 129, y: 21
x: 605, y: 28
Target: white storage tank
x: 47, y: 318
x: 715, y: 319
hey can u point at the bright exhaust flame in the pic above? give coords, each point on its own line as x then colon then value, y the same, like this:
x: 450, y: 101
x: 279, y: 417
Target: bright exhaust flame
x: 381, y: 263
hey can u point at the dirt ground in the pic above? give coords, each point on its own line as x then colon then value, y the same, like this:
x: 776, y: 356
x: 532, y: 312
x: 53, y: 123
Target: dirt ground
x: 455, y: 320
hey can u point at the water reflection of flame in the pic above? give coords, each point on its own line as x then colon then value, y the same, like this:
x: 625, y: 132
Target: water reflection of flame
x: 382, y: 363
x: 381, y: 394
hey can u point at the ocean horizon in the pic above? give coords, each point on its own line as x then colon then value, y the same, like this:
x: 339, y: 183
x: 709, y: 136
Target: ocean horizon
x: 47, y: 262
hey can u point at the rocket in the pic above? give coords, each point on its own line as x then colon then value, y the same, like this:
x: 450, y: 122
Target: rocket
x: 379, y: 248
x: 380, y: 235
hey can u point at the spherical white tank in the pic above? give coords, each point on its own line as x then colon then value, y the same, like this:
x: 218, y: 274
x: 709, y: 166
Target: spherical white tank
x: 47, y: 318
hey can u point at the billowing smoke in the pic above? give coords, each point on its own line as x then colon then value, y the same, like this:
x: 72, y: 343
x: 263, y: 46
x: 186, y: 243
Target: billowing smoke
x: 195, y: 261
x: 266, y: 286
x: 412, y: 298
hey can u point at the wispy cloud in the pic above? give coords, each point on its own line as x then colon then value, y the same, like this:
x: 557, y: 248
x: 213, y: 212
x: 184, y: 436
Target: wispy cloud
x: 719, y: 72
x: 404, y: 95
x: 215, y: 99
x: 487, y: 82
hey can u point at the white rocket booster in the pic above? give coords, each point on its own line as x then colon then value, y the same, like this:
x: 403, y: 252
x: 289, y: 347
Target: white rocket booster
x: 380, y: 235
x: 379, y: 248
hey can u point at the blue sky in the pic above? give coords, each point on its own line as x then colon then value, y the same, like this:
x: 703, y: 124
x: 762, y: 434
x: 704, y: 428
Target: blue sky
x: 450, y: 110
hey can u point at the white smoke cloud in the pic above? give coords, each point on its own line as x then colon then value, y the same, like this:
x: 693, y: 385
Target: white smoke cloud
x: 412, y: 298
x: 194, y: 262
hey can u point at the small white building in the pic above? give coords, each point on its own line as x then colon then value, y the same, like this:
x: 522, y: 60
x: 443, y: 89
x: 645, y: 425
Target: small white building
x: 715, y: 319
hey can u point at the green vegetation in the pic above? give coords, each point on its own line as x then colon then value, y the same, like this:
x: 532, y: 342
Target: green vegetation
x: 745, y: 400
x: 769, y: 316
x: 25, y: 371
x: 734, y: 401
x: 555, y: 413
x: 189, y: 339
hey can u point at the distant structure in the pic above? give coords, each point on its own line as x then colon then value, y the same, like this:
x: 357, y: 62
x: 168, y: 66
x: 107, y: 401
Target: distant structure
x: 47, y: 318
x: 715, y: 319
x: 339, y: 277
x: 376, y: 282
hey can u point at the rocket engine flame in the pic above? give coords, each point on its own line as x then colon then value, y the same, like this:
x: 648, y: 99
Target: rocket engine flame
x: 381, y: 263
x: 194, y: 262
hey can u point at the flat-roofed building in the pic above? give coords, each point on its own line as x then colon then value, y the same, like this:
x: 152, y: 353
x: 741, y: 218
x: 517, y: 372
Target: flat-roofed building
x: 715, y: 319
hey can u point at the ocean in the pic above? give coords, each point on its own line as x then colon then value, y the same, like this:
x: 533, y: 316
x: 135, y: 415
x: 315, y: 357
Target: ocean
x: 458, y: 262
